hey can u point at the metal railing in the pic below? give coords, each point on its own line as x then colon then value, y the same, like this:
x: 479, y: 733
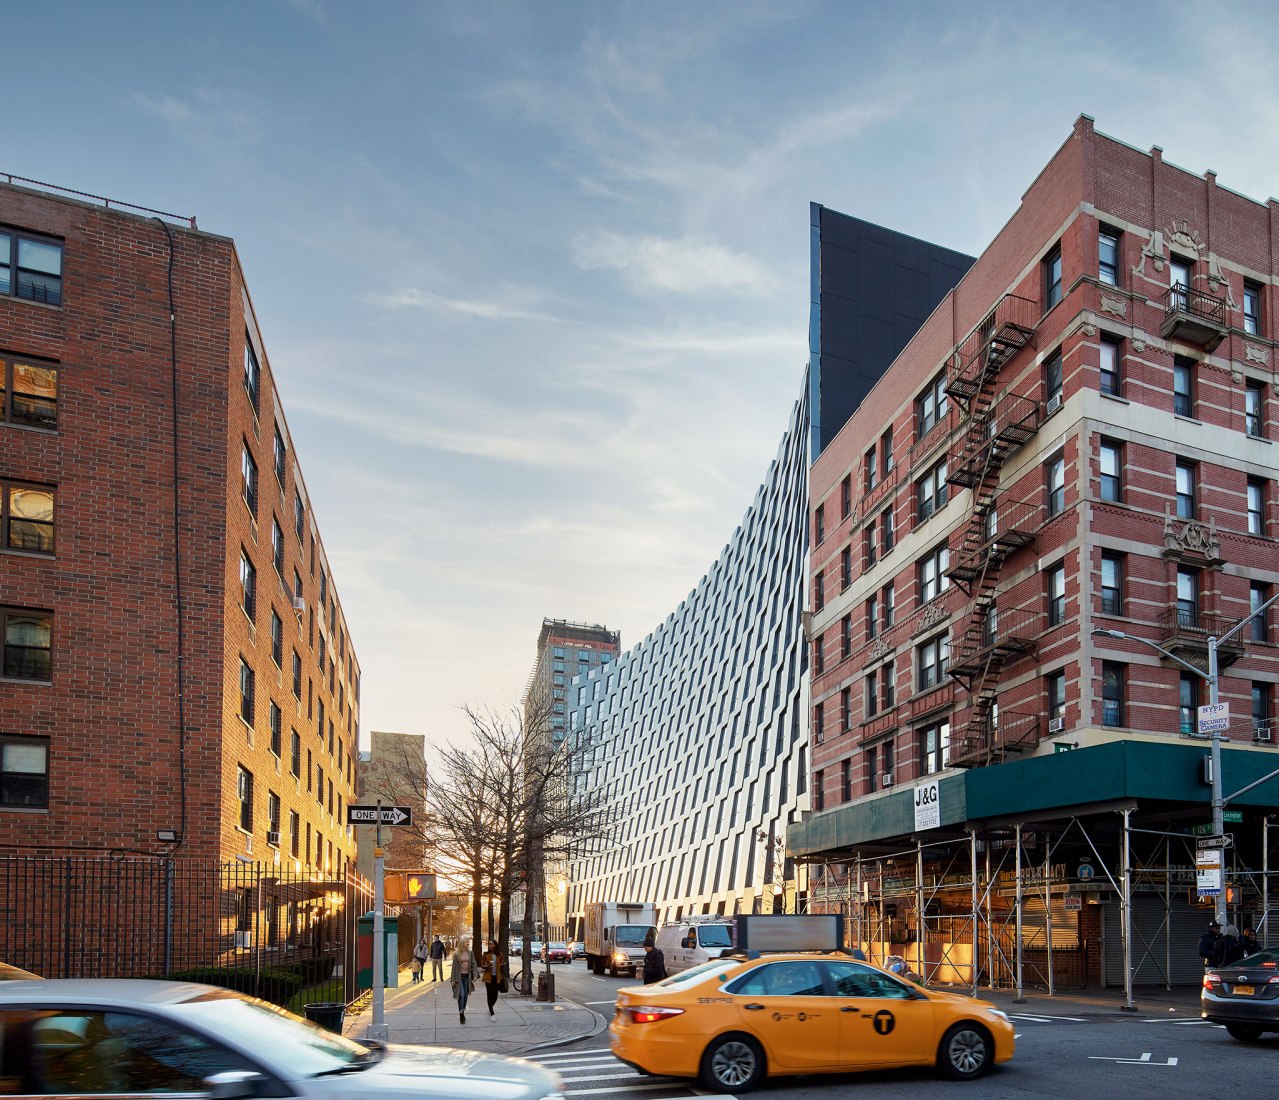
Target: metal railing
x: 1197, y: 303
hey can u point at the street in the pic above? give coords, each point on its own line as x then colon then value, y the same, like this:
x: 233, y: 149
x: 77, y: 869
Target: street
x: 1062, y: 1052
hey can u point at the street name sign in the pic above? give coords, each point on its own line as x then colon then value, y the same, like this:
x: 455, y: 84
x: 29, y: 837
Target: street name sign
x: 1214, y: 718
x: 368, y: 815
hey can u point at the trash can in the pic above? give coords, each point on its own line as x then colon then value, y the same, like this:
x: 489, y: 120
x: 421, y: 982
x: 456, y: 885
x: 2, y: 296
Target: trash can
x: 545, y: 986
x: 328, y: 1014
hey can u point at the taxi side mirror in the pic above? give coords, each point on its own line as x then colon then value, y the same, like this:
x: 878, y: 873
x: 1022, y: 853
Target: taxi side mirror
x: 232, y: 1084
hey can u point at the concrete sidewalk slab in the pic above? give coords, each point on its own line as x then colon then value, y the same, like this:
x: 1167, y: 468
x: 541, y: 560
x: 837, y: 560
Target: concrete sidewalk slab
x: 426, y: 1013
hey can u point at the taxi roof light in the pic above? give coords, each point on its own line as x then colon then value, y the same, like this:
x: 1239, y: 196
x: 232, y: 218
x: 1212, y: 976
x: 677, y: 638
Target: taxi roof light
x: 647, y: 1014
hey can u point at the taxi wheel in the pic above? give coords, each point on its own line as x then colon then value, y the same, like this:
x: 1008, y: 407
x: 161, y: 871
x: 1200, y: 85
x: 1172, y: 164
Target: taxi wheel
x: 1245, y: 1033
x: 965, y: 1052
x: 732, y: 1063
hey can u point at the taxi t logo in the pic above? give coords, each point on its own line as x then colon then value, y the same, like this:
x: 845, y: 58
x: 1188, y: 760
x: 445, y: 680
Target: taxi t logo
x: 884, y: 1022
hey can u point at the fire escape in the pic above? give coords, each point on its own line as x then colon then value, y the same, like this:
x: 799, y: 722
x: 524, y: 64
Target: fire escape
x: 993, y: 635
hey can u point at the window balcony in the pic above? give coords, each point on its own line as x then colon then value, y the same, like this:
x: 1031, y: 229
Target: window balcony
x: 1185, y: 633
x: 1194, y: 317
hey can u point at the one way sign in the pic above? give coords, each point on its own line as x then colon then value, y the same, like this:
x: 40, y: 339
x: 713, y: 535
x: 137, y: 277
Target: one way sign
x: 368, y: 815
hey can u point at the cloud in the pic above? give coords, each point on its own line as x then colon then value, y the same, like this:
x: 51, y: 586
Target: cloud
x: 410, y: 297
x: 682, y: 266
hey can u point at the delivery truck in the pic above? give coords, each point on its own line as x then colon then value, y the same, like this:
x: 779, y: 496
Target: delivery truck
x: 616, y: 932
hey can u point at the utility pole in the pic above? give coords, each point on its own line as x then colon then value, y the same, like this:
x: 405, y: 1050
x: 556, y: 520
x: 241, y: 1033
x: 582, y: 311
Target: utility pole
x: 378, y: 1029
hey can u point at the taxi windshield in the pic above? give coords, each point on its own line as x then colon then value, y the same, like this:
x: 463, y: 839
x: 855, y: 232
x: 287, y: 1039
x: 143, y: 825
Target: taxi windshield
x: 696, y: 974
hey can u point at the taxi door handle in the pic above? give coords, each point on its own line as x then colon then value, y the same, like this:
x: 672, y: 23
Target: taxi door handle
x: 753, y: 1008
x: 850, y: 1008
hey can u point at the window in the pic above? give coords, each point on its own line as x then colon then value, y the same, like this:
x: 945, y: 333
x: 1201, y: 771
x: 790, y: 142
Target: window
x: 1111, y: 467
x: 1111, y: 380
x: 819, y: 523
x: 845, y: 568
x: 1057, y: 595
x: 931, y: 660
x: 1185, y: 490
x: 1256, y: 506
x: 846, y: 708
x: 252, y: 376
x: 819, y: 655
x: 846, y: 636
x: 1108, y: 255
x: 1188, y: 598
x: 299, y: 516
x: 930, y: 406
x: 819, y: 722
x: 277, y: 639
x: 248, y: 586
x: 1183, y: 386
x: 870, y: 469
x: 1112, y: 693
x: 869, y: 543
x: 1262, y: 705
x: 932, y: 574
x: 1112, y: 583
x: 319, y: 783
x: 244, y: 790
x: 1052, y: 278
x: 24, y: 771
x: 846, y: 780
x: 930, y: 491
x: 872, y: 693
x: 249, y: 480
x: 872, y: 774
x: 872, y: 617
x: 886, y: 451
x: 276, y: 723
x: 819, y: 591
x: 28, y: 644
x: 1251, y: 308
x: 281, y: 456
x: 780, y: 979
x: 1055, y: 477
x: 846, y: 497
x: 246, y: 691
x: 1188, y: 702
x: 31, y: 267
x: 1179, y: 276
x: 887, y: 599
x: 886, y: 762
x: 26, y: 517
x: 1052, y: 381
x: 888, y: 684
x: 886, y: 536
x: 28, y: 393
x: 1055, y: 686
x: 934, y: 747
x: 295, y: 754
x: 297, y: 676
x: 1254, y: 410
x: 273, y: 815
x: 1258, y: 627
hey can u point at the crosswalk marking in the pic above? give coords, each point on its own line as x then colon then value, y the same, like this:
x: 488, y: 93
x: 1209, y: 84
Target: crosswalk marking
x: 592, y: 1072
x: 1037, y: 1019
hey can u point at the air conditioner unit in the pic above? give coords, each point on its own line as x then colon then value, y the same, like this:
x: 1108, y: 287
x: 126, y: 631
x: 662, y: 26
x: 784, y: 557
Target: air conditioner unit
x: 273, y: 838
x: 299, y: 605
x: 886, y: 780
x: 1054, y: 403
x: 1056, y: 725
x: 1263, y: 733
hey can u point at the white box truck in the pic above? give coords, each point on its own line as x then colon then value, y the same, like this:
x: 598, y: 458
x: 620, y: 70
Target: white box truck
x: 615, y: 935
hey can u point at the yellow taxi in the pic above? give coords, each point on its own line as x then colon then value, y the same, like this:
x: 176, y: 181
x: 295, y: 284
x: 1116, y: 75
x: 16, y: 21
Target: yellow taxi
x: 734, y: 1021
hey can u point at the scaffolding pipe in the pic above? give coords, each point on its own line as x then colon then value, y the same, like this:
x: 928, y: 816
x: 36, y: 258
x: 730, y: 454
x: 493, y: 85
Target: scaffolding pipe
x: 879, y: 866
x: 1017, y: 903
x: 857, y: 909
x: 972, y: 841
x: 990, y: 931
x: 1265, y: 881
x: 1167, y: 914
x: 920, y: 923
x: 1048, y: 913
x: 1126, y: 906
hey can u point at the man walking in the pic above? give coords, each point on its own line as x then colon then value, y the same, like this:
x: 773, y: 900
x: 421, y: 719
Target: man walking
x: 437, y: 960
x: 654, y: 964
x: 1208, y: 943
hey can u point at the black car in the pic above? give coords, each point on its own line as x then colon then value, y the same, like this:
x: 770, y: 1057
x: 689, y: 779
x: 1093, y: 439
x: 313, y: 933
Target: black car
x: 1244, y: 996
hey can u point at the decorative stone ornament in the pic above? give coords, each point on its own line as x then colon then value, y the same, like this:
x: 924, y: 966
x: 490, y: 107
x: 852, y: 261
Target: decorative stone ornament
x: 1255, y: 354
x: 1191, y: 538
x: 1117, y: 306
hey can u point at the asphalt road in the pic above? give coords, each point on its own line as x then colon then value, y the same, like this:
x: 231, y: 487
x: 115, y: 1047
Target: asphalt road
x: 1086, y: 1055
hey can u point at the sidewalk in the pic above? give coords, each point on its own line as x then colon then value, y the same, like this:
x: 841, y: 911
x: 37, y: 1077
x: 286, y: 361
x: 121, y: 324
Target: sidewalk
x: 426, y: 1013
x: 1182, y: 1001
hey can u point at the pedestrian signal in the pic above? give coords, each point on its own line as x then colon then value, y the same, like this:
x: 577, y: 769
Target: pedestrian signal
x: 419, y: 886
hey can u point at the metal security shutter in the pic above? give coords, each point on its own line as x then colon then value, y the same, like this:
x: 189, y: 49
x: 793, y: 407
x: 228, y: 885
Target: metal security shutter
x: 1034, y: 924
x: 1152, y: 949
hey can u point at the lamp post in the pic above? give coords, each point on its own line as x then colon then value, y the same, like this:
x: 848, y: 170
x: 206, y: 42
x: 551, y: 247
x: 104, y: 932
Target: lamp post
x: 1214, y: 694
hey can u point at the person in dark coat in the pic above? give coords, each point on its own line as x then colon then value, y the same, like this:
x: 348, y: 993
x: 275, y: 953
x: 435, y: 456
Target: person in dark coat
x: 1208, y: 943
x: 437, y: 959
x: 1249, y: 940
x: 492, y: 972
x: 654, y: 964
x: 1228, y: 949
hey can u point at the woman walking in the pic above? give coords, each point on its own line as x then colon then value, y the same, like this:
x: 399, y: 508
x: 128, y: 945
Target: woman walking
x: 465, y: 967
x: 493, y: 969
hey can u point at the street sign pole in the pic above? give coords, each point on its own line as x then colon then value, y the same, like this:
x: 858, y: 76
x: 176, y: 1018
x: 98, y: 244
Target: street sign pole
x: 378, y: 1029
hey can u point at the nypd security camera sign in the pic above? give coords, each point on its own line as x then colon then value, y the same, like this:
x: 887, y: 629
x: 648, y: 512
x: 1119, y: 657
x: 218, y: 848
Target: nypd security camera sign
x: 927, y: 806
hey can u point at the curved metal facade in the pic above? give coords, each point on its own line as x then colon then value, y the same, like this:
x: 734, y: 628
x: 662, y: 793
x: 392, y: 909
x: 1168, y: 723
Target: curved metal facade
x: 701, y: 729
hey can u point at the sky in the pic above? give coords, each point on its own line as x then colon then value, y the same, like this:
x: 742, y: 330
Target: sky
x: 533, y: 277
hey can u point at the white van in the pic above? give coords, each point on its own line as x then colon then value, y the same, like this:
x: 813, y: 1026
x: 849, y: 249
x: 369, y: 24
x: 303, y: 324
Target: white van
x: 690, y: 943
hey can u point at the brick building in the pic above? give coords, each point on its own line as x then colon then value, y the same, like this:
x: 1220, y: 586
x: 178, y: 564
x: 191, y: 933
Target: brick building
x: 178, y: 677
x: 1079, y: 438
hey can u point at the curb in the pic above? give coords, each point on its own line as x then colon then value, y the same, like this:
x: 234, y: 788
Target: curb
x: 598, y: 1025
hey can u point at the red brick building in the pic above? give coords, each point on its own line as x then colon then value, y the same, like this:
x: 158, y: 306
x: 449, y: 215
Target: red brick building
x: 178, y: 674
x: 1080, y: 438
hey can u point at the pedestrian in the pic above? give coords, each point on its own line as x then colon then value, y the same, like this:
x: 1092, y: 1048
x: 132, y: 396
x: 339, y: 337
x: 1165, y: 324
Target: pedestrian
x: 1208, y: 943
x: 1249, y: 940
x: 654, y: 964
x: 437, y: 959
x: 1228, y: 949
x: 493, y: 971
x: 462, y: 974
x: 419, y: 959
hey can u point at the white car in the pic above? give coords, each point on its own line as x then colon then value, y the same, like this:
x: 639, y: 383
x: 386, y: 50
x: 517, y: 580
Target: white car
x: 134, y: 1038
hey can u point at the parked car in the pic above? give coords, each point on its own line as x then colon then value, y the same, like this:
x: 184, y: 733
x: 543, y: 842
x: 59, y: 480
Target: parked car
x: 81, y: 1036
x: 557, y: 953
x: 734, y: 1021
x: 1243, y: 996
x: 535, y: 949
x: 517, y: 946
x: 578, y: 948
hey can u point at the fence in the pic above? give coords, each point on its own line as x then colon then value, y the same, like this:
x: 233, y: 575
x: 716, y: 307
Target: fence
x: 249, y: 926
